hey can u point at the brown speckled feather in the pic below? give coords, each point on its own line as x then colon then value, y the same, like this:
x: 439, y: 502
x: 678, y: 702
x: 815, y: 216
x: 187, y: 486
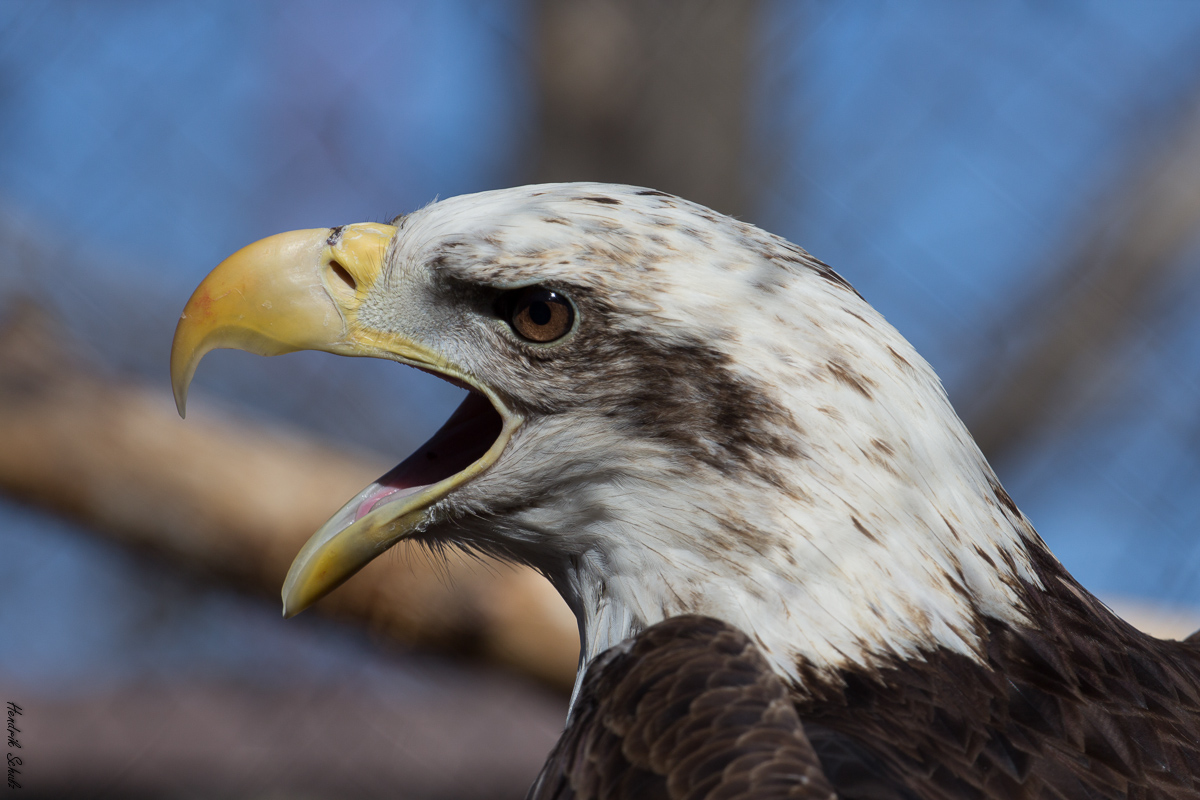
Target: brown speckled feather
x: 687, y: 709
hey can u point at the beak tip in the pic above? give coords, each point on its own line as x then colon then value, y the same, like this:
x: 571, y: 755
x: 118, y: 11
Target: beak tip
x: 290, y: 610
x: 180, y: 393
x: 293, y: 601
x: 184, y: 358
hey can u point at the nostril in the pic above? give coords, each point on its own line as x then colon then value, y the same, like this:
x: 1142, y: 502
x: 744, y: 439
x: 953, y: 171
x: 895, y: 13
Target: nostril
x: 343, y: 275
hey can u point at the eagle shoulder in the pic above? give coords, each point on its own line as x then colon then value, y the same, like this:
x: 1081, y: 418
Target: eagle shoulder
x: 689, y: 708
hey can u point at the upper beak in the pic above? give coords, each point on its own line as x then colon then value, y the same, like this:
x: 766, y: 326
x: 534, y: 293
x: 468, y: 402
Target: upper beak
x: 293, y: 291
x: 302, y: 291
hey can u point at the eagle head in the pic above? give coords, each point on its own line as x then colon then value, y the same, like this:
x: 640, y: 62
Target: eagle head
x: 669, y: 411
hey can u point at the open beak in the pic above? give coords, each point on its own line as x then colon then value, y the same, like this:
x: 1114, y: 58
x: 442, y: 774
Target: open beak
x: 302, y: 291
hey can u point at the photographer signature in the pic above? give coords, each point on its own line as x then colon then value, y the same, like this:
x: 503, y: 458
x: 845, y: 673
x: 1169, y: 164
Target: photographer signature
x: 14, y: 711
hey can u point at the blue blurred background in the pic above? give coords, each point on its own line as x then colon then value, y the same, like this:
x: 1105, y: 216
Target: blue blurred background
x: 960, y: 164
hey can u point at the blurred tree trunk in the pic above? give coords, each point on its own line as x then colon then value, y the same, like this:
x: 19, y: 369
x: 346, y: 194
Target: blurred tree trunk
x: 647, y: 92
x: 1136, y: 239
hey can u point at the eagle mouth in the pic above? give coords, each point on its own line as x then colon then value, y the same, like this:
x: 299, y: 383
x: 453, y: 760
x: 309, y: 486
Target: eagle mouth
x: 464, y: 439
x: 398, y: 504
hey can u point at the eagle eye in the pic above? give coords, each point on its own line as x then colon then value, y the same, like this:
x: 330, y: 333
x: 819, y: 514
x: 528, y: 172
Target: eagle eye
x: 537, y: 314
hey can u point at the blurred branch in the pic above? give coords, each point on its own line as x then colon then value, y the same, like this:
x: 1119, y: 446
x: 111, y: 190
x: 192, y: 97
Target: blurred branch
x: 1130, y: 251
x: 649, y: 93
x: 237, y: 502
x: 1165, y: 622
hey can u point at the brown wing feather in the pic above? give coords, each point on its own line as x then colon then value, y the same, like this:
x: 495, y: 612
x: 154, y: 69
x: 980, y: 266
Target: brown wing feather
x: 1078, y: 705
x: 687, y: 709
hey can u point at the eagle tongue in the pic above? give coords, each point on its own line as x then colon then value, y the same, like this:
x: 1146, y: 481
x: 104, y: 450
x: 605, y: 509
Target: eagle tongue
x: 461, y: 441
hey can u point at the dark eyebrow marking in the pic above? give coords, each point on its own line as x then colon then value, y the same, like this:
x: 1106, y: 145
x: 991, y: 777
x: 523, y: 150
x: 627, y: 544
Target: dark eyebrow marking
x: 612, y: 201
x: 651, y: 193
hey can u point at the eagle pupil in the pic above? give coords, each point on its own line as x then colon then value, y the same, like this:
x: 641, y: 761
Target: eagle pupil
x: 539, y: 313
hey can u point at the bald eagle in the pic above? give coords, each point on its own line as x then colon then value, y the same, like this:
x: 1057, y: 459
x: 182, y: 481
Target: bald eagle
x: 794, y: 572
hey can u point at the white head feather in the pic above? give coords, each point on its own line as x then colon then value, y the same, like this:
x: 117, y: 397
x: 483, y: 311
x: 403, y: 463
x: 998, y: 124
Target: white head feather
x: 731, y: 430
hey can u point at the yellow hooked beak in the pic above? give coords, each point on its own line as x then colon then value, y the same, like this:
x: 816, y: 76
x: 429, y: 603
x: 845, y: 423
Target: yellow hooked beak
x: 302, y: 290
x: 292, y: 291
